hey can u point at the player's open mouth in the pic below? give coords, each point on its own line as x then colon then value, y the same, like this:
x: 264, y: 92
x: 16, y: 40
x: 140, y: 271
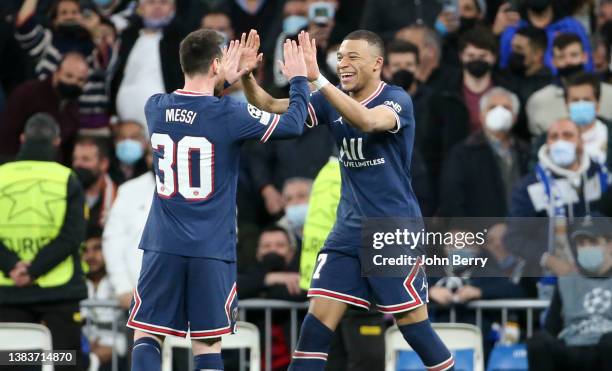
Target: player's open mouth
x: 347, y: 77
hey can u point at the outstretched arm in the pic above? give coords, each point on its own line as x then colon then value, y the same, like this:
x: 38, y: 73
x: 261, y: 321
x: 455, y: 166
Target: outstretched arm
x: 255, y: 94
x: 379, y: 118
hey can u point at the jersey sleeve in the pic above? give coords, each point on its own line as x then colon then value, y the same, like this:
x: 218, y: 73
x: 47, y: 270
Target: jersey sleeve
x: 249, y: 122
x: 399, y: 102
x: 318, y: 109
x: 150, y: 110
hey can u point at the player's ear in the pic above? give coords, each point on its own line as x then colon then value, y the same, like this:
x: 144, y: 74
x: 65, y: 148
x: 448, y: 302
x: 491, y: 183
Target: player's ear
x: 216, y: 64
x: 379, y: 63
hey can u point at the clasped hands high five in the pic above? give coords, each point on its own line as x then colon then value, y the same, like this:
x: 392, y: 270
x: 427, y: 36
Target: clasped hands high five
x: 242, y: 56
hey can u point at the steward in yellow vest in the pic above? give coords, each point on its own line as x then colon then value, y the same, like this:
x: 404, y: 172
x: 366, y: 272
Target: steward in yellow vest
x: 42, y: 222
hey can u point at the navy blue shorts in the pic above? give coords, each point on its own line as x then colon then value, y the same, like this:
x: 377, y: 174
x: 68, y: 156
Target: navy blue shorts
x: 176, y: 294
x: 338, y: 276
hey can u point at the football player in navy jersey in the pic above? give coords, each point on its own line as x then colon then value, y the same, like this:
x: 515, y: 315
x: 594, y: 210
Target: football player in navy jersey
x: 188, y: 275
x: 373, y: 125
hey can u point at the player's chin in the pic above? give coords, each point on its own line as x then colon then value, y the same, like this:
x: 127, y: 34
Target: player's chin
x: 348, y: 86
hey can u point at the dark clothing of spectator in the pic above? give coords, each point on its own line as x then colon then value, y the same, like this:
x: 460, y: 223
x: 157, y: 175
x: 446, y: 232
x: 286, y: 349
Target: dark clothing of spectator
x: 378, y: 17
x: 472, y: 182
x: 448, y: 123
x: 38, y: 96
x: 251, y: 283
x: 119, y: 176
x: 303, y: 157
x: 420, y: 103
x: 168, y: 51
x: 267, y: 20
x: 13, y: 69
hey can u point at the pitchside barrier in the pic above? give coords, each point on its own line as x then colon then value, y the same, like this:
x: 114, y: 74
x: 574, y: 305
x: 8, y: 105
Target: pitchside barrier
x: 503, y: 307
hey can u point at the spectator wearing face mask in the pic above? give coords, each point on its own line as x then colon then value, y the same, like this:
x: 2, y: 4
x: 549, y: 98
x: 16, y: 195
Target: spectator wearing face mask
x: 70, y: 31
x: 131, y: 147
x: 274, y: 276
x: 460, y: 99
x: 432, y: 71
x: 549, y: 16
x: 565, y: 184
x: 526, y: 61
x: 493, y: 153
x: 577, y: 333
x: 582, y: 95
x: 296, y: 194
x: 401, y: 67
x: 55, y: 95
x: 547, y: 105
x: 147, y: 61
x: 90, y: 162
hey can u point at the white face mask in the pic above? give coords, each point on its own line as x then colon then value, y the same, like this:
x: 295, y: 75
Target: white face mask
x: 499, y: 119
x: 562, y: 153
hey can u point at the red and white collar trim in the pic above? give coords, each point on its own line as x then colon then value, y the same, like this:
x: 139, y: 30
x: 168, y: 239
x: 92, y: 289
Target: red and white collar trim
x: 191, y: 93
x: 375, y: 94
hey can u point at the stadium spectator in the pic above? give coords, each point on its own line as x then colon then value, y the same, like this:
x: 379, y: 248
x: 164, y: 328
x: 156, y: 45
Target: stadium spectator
x: 55, y: 95
x: 219, y: 21
x: 90, y: 162
x: 460, y: 99
x: 550, y: 16
x: 401, y: 67
x: 604, y: 13
x: 377, y: 17
x: 71, y: 31
x: 131, y: 147
x: 494, y: 154
x: 275, y: 276
x: 565, y: 184
x: 577, y: 333
x: 526, y: 62
x: 102, y: 340
x: 42, y: 280
x: 547, y: 105
x: 582, y: 95
x: 147, y: 60
x: 431, y: 71
x: 122, y: 232
x: 296, y: 194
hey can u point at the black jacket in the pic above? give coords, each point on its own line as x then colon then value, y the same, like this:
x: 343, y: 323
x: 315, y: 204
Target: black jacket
x: 168, y: 50
x: 448, y: 122
x: 386, y: 17
x: 471, y: 184
x: 67, y: 243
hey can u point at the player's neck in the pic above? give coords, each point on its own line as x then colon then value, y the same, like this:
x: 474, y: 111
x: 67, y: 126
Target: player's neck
x: 367, y: 90
x: 200, y: 84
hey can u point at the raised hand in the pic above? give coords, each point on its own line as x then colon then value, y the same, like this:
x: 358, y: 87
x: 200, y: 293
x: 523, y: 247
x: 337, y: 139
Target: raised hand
x: 250, y: 58
x: 310, y: 55
x: 231, y: 60
x: 294, y: 64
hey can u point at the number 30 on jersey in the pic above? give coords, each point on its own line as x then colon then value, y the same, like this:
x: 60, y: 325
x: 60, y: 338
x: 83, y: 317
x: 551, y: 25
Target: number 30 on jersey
x: 182, y: 154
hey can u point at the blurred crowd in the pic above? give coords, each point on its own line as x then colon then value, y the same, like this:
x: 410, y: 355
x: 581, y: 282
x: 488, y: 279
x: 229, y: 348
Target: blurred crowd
x: 513, y: 109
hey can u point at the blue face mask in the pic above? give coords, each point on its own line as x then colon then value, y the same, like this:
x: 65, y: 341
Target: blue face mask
x: 582, y: 112
x: 591, y: 258
x: 157, y: 23
x: 129, y: 151
x: 563, y: 153
x: 296, y: 214
x: 294, y: 23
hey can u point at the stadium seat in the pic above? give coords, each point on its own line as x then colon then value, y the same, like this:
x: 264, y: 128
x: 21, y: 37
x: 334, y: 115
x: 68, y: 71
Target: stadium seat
x: 464, y: 341
x: 508, y: 358
x: 247, y: 337
x: 25, y: 336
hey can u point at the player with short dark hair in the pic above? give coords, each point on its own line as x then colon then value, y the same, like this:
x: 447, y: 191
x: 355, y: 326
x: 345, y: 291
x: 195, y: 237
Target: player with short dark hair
x: 188, y: 275
x: 373, y: 125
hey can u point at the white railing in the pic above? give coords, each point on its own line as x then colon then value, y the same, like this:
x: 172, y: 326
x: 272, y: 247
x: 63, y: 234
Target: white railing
x: 269, y: 306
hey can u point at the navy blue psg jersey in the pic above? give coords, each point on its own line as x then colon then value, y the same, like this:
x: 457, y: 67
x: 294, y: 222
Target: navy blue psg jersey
x: 196, y: 143
x: 375, y: 167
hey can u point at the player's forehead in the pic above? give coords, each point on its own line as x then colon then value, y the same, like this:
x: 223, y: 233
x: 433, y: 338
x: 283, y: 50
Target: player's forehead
x: 356, y: 47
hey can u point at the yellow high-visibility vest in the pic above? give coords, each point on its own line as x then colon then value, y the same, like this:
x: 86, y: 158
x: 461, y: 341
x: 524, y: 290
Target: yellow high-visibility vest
x: 33, y: 202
